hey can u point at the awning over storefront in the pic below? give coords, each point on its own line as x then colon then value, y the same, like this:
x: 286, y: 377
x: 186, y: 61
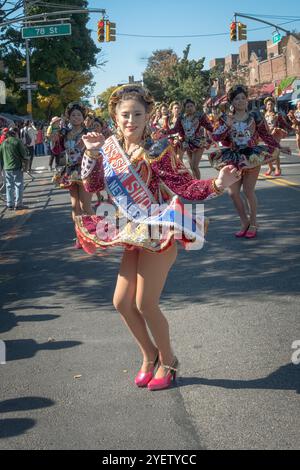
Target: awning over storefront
x: 285, y: 97
x: 267, y: 89
x: 285, y: 86
x: 261, y: 91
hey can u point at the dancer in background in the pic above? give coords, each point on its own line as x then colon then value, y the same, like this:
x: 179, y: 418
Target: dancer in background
x: 175, y: 110
x: 240, y: 132
x: 294, y: 117
x: 278, y: 128
x: 70, y: 177
x: 190, y: 126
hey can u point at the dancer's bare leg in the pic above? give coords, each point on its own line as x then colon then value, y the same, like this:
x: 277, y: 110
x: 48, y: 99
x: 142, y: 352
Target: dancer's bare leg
x: 152, y: 272
x: 249, y: 182
x: 85, y: 201
x: 124, y: 303
x: 196, y: 158
x: 235, y: 194
x: 75, y: 202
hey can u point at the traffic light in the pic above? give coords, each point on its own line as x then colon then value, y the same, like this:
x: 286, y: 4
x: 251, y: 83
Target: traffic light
x: 101, y: 37
x: 110, y: 34
x: 242, y: 31
x: 233, y: 35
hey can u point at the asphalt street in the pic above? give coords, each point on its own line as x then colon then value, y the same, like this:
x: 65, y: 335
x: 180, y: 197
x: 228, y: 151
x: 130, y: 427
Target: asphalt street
x: 233, y: 309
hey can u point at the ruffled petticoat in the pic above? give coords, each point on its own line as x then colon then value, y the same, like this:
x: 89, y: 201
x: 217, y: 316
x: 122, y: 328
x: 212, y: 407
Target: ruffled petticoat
x: 195, y: 144
x: 243, y: 159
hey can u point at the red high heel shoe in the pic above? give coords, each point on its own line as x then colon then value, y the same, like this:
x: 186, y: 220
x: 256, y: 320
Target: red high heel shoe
x: 242, y: 233
x: 143, y: 378
x: 164, y: 382
x: 269, y: 172
x: 277, y: 173
x: 251, y: 232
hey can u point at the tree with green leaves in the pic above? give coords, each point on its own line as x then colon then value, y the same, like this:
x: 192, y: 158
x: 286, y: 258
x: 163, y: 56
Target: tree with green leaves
x: 103, y: 100
x: 76, y: 53
x: 159, y: 68
x: 171, y: 78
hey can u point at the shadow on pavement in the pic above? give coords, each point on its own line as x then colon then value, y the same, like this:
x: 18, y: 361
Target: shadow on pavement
x: 43, y: 261
x: 25, y: 403
x: 287, y: 377
x: 9, y: 320
x: 15, y: 426
x: 27, y: 348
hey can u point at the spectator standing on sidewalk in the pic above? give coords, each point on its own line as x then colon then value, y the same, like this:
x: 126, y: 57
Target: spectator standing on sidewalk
x: 13, y: 156
x: 28, y: 136
x: 39, y: 144
x: 56, y: 141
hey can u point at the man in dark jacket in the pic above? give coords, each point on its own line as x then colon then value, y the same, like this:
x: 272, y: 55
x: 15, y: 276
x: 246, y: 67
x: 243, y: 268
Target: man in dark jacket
x: 12, y: 156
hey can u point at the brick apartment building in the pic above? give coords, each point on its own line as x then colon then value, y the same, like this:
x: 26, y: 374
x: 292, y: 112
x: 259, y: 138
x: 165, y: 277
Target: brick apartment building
x: 265, y: 67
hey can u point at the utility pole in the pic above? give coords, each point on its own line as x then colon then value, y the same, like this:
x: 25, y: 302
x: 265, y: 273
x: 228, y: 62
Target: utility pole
x: 29, y: 94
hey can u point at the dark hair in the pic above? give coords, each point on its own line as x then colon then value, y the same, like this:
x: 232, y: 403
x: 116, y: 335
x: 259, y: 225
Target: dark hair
x: 12, y: 132
x: 75, y: 106
x: 188, y: 100
x: 236, y: 90
x: 99, y: 120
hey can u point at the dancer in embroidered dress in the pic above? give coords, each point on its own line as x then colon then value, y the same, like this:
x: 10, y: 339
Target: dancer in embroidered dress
x: 70, y: 176
x: 175, y: 110
x: 240, y: 133
x: 100, y: 127
x: 294, y: 117
x: 147, y: 173
x: 278, y: 128
x: 160, y: 122
x: 190, y: 126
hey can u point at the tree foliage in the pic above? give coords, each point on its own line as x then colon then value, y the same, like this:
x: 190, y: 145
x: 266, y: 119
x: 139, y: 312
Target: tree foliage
x: 103, y: 100
x: 52, y: 60
x: 171, y: 78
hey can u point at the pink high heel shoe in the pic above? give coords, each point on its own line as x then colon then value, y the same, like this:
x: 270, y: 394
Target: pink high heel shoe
x: 269, y: 172
x: 143, y: 378
x: 165, y: 382
x: 242, y: 233
x: 251, y: 232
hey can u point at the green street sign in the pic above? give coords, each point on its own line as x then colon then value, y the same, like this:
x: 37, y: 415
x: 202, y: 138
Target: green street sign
x: 46, y: 31
x: 276, y: 38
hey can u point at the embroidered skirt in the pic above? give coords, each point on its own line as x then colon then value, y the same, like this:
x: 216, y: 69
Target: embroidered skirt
x: 243, y: 159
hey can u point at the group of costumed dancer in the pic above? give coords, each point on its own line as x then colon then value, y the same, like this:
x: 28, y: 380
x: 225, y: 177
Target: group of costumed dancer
x: 140, y: 167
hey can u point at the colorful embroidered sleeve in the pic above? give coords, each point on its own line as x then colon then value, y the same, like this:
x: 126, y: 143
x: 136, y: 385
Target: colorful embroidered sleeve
x: 221, y: 132
x: 282, y: 123
x: 178, y: 179
x: 92, y: 174
x: 205, y: 122
x: 264, y: 133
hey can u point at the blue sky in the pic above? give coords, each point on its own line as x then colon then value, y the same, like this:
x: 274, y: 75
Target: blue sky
x: 127, y: 56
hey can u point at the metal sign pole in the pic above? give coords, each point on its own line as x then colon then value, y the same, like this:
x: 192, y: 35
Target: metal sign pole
x: 29, y: 94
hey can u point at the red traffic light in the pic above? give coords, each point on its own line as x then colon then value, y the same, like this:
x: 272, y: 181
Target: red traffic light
x: 233, y: 32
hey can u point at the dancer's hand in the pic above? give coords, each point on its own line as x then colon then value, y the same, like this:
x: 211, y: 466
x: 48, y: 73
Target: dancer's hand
x: 93, y: 140
x: 227, y: 176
